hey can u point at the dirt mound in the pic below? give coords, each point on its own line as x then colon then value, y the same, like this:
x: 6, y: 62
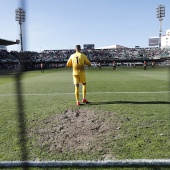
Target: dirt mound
x: 78, y: 130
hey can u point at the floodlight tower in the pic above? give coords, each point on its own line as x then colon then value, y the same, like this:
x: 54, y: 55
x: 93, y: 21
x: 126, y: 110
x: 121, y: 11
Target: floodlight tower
x: 160, y: 14
x: 20, y: 17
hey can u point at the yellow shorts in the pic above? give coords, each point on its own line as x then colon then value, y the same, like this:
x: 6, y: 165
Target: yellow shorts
x: 81, y: 78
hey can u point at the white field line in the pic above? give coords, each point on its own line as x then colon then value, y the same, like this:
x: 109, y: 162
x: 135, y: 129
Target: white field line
x: 54, y: 94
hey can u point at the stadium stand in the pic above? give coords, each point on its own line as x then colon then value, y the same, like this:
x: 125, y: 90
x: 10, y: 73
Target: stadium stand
x: 57, y: 58
x: 8, y: 42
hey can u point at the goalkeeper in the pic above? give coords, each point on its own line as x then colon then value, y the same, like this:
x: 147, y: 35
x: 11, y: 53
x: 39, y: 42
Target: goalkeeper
x: 77, y: 61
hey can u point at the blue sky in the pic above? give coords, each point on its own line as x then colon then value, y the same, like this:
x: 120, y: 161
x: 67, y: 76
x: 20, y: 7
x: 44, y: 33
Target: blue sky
x: 61, y: 24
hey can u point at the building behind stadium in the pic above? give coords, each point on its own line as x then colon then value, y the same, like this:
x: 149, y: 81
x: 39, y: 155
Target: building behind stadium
x: 153, y: 42
x: 165, y: 39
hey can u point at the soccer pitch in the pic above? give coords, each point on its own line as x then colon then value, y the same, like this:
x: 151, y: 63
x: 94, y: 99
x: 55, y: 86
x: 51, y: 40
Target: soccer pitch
x: 127, y: 117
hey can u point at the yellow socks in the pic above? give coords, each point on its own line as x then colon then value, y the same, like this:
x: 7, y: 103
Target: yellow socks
x: 84, y: 91
x: 77, y: 93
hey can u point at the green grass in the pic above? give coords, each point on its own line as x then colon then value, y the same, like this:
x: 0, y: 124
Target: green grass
x: 140, y: 100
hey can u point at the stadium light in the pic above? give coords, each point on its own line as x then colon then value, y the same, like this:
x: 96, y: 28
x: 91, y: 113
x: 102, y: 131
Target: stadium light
x: 20, y: 17
x: 160, y: 10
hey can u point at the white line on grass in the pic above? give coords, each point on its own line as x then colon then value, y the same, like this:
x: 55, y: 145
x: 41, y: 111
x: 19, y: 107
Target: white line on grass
x: 54, y: 94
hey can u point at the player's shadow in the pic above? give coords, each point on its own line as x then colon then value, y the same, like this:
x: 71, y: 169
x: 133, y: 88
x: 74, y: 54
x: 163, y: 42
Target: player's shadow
x: 129, y: 102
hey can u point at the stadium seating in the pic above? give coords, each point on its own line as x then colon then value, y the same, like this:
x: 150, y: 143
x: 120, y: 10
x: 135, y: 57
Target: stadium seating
x: 11, y: 59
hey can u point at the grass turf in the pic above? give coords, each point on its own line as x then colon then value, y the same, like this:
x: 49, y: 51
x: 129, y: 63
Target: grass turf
x: 139, y: 98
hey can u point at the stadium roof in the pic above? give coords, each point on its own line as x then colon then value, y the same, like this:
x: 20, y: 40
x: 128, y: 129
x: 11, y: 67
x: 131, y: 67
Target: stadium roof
x: 8, y: 42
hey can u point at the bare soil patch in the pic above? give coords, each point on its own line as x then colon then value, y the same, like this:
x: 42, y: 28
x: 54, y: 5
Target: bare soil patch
x: 77, y: 130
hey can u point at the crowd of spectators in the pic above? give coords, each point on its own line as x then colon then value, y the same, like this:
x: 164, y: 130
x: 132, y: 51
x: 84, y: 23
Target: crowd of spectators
x: 108, y: 54
x: 10, y: 60
x: 16, y: 56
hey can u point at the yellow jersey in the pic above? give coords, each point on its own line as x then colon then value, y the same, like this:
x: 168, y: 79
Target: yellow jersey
x: 77, y: 62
